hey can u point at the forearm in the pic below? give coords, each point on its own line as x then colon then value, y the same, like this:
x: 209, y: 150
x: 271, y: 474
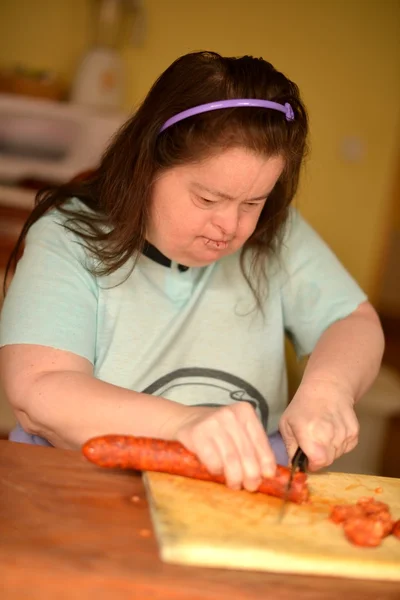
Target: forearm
x: 67, y: 408
x: 349, y: 353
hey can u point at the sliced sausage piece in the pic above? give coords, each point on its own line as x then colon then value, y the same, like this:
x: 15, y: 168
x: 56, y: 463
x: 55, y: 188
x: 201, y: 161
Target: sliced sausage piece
x: 343, y: 512
x: 371, y: 506
x: 365, y: 523
x: 363, y: 531
x: 385, y: 520
x: 149, y: 454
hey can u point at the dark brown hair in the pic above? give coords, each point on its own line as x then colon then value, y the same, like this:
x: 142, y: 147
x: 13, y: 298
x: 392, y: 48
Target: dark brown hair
x: 118, y: 192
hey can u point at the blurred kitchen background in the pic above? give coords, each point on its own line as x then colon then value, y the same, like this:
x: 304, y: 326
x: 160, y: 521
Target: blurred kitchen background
x: 71, y: 71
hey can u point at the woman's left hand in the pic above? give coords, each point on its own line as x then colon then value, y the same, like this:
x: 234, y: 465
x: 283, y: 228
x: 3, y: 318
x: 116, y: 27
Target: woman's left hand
x: 321, y: 420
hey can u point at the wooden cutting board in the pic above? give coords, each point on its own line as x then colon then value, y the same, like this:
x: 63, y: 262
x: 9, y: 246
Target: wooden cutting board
x: 201, y: 523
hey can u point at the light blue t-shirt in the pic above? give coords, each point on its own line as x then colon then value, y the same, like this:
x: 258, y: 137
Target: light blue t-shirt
x: 193, y: 336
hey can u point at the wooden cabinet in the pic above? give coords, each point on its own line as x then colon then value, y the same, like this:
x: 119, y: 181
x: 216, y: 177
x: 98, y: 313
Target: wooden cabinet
x: 12, y: 220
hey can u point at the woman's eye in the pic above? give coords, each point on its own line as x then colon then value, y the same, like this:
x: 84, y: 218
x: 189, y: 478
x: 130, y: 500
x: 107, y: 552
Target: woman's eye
x: 207, y: 201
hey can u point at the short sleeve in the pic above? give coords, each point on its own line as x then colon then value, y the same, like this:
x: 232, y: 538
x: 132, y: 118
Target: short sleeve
x: 52, y: 299
x: 316, y: 288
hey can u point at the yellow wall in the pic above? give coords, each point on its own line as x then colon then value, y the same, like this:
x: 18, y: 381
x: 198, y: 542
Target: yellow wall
x: 344, y: 54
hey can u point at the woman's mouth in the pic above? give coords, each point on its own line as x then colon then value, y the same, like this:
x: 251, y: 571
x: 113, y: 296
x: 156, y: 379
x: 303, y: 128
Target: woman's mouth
x: 215, y: 244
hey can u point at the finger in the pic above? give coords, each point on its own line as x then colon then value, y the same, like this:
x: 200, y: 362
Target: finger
x: 352, y: 431
x: 339, y: 442
x: 350, y: 445
x: 318, y: 454
x: 346, y: 435
x: 257, y: 456
x: 315, y: 438
x: 246, y: 446
x: 289, y: 439
x: 251, y: 467
x: 351, y: 440
x: 340, y: 448
x: 232, y: 466
x: 207, y: 452
x: 320, y: 441
x: 259, y: 441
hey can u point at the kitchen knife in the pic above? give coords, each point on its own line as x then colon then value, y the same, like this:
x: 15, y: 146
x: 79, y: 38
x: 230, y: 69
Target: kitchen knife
x: 299, y: 462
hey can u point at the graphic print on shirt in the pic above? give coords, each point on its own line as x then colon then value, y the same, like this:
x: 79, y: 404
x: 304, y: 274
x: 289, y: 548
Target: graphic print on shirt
x: 208, y: 387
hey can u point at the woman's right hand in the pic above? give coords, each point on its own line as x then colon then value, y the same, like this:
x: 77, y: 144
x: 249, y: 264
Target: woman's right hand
x: 228, y: 440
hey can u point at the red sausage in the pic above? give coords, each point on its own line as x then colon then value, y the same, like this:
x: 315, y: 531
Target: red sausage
x: 149, y: 454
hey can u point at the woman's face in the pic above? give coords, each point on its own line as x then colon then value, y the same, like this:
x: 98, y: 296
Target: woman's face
x: 203, y: 211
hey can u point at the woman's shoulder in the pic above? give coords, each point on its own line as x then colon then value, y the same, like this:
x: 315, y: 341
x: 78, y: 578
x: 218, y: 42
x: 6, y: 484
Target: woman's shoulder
x: 57, y: 233
x: 295, y: 227
x: 56, y: 216
x: 299, y: 237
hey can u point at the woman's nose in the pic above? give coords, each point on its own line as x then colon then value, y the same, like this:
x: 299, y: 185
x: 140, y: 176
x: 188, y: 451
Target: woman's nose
x: 227, y: 219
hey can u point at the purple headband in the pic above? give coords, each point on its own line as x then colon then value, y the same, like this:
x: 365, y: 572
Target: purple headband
x: 196, y: 110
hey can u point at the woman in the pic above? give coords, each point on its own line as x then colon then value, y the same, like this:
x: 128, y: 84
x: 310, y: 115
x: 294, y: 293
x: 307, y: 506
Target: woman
x: 153, y: 297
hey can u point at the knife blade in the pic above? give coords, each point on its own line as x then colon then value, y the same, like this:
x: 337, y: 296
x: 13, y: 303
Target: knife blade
x: 299, y: 462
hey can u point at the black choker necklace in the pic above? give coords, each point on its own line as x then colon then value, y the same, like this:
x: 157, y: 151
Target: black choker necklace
x: 154, y: 254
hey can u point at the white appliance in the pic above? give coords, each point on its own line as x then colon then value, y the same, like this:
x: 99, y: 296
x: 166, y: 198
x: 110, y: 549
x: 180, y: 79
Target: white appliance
x: 99, y: 81
x: 46, y: 141
x: 100, y: 78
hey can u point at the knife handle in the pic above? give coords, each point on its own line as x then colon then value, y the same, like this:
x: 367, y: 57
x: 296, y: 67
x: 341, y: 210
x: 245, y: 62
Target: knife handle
x: 300, y: 460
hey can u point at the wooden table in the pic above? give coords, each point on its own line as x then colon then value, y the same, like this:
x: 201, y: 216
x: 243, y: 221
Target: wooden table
x: 70, y: 530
